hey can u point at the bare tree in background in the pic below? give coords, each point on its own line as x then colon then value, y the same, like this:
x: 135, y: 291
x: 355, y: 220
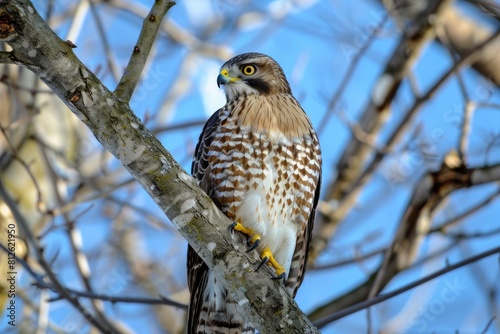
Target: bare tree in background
x: 83, y: 228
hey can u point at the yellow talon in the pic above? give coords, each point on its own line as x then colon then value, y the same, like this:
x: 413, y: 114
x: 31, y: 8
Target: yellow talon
x: 267, y: 254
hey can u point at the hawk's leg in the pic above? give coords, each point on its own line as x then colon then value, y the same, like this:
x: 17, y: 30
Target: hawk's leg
x: 253, y: 241
x: 267, y: 257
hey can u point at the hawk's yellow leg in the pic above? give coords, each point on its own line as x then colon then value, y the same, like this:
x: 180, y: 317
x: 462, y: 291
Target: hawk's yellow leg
x: 266, y: 255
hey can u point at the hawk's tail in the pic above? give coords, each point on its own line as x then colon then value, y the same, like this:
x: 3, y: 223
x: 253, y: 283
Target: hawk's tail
x: 212, y: 309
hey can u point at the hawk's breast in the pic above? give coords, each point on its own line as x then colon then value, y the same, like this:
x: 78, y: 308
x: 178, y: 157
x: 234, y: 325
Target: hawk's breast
x: 265, y: 179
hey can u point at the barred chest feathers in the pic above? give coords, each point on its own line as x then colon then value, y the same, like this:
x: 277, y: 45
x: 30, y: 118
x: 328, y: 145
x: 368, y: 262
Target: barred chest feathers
x: 265, y: 167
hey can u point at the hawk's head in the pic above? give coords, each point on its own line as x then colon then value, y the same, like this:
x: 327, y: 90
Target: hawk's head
x: 252, y: 73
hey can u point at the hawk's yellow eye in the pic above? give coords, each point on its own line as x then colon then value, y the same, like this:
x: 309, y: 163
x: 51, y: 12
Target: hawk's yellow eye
x: 248, y: 69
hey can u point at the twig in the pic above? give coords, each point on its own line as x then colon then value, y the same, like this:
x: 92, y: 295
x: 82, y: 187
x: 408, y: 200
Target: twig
x: 380, y: 298
x: 485, y: 330
x: 344, y: 262
x: 348, y: 74
x: 39, y: 282
x: 102, y: 32
x: 351, y: 196
x: 137, y: 300
x: 140, y: 54
x: 462, y: 235
x: 441, y: 228
x: 465, y: 130
x: 174, y: 127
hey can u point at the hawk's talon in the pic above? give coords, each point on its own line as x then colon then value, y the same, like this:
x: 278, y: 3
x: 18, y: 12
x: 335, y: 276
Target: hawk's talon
x: 264, y: 261
x: 231, y: 228
x: 253, y: 242
x: 267, y: 257
x: 280, y: 277
x: 253, y: 245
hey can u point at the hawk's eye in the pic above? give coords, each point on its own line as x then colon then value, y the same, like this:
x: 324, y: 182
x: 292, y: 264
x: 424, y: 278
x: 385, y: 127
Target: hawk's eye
x: 248, y: 69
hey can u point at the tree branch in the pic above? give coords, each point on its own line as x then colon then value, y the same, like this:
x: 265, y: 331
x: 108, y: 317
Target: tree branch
x: 415, y: 224
x: 380, y: 298
x: 140, y: 54
x: 351, y: 163
x: 40, y: 283
x: 465, y: 35
x: 97, y: 323
x: 266, y: 302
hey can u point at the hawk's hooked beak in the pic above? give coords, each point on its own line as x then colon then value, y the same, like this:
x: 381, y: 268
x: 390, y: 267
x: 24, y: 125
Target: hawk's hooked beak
x: 224, y: 78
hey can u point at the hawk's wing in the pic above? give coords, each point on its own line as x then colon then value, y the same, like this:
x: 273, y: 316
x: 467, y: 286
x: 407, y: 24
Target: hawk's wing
x: 196, y: 268
x: 301, y: 253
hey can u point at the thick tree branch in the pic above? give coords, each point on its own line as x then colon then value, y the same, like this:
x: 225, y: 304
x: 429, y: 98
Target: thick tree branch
x: 35, y: 46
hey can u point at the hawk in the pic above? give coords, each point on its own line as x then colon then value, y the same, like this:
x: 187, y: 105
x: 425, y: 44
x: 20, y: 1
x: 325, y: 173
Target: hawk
x: 259, y: 159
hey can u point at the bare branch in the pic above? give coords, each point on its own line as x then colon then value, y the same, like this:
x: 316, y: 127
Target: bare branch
x: 465, y: 35
x: 430, y: 192
x: 351, y: 163
x: 442, y: 228
x: 380, y: 298
x: 46, y: 266
x: 140, y: 54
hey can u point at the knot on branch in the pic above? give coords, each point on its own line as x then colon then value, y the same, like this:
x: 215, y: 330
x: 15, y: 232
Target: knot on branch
x: 10, y: 22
